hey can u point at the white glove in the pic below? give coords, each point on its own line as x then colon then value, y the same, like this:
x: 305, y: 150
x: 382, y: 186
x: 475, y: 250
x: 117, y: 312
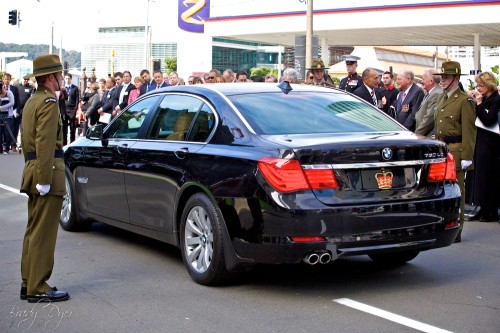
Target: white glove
x: 16, y: 114
x: 465, y: 164
x: 43, y: 189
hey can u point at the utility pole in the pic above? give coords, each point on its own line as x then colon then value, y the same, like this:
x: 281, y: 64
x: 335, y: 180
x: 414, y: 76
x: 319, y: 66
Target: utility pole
x: 146, y: 39
x: 309, y: 33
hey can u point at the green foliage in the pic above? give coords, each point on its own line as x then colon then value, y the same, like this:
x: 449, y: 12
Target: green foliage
x: 335, y: 80
x: 171, y: 64
x: 263, y: 71
x: 495, y: 69
x: 72, y: 57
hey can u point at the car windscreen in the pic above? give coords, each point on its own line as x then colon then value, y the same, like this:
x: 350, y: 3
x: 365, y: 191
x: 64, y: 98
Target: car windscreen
x: 310, y: 112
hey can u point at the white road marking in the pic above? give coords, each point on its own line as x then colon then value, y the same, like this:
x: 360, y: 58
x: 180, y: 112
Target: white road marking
x: 11, y: 189
x: 390, y: 316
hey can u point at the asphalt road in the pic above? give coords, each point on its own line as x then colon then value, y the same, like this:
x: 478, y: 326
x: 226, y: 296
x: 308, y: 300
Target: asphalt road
x: 120, y: 282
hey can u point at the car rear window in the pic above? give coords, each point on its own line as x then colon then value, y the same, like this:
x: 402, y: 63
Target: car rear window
x: 306, y: 112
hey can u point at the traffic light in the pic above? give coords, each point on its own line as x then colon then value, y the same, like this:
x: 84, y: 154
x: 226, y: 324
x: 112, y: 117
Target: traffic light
x: 13, y: 17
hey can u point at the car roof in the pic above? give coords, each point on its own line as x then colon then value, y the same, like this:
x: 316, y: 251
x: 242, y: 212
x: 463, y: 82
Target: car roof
x: 229, y: 89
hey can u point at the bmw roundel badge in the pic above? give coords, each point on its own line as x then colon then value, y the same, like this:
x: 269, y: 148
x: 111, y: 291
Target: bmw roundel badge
x: 386, y: 154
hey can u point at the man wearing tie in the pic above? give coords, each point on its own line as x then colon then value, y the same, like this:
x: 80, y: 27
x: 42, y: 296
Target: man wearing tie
x: 148, y: 81
x: 123, y: 92
x: 454, y: 124
x: 367, y: 90
x: 108, y: 97
x: 425, y: 114
x: 409, y: 99
x: 71, y: 107
x: 158, y: 81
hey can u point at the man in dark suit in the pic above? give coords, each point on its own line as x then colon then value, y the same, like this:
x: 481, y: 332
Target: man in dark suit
x: 108, y: 97
x: 123, y: 92
x: 425, y: 114
x: 388, y: 92
x: 148, y: 81
x: 409, y: 99
x: 158, y: 81
x: 367, y: 90
x: 71, y: 106
x: 16, y: 121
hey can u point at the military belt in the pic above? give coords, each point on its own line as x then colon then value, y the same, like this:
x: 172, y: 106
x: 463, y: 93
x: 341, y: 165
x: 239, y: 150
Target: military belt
x: 452, y: 139
x: 31, y: 155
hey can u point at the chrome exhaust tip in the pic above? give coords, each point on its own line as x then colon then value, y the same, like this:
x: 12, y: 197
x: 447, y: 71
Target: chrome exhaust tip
x: 311, y: 258
x: 325, y: 258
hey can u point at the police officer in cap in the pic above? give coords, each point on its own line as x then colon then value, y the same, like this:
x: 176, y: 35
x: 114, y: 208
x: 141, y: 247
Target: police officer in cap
x: 320, y: 77
x: 454, y: 124
x: 353, y: 81
x: 43, y: 181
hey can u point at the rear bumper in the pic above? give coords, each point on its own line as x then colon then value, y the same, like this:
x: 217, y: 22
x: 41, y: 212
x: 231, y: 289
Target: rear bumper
x: 263, y: 235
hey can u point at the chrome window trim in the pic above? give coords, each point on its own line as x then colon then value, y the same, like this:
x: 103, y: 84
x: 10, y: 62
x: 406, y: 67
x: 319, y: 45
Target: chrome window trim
x: 372, y: 165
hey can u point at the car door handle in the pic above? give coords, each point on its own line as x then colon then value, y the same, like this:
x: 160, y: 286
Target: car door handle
x: 121, y: 149
x: 181, y: 153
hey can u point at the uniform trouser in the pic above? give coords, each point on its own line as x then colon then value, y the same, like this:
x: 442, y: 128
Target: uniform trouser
x: 461, y: 184
x: 39, y: 242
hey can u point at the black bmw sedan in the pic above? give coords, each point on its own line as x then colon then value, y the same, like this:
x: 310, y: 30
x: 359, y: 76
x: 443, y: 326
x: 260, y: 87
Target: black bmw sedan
x: 241, y: 174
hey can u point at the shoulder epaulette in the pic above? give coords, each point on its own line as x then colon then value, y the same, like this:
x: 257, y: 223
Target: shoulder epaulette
x: 50, y: 99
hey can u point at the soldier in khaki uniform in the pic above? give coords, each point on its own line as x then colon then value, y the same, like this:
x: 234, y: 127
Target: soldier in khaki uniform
x: 43, y: 181
x: 318, y: 70
x: 454, y: 124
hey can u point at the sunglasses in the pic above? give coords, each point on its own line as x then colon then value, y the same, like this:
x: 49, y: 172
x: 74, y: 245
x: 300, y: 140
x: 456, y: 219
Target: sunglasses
x: 311, y: 77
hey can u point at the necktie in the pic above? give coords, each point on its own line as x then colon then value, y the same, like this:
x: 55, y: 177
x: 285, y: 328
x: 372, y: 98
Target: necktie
x: 374, y: 99
x: 157, y: 86
x: 403, y: 98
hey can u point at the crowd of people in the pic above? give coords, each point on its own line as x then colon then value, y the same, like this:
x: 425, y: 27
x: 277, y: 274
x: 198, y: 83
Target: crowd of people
x: 436, y: 106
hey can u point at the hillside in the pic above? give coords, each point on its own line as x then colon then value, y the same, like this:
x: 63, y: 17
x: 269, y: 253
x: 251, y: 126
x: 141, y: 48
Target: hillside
x: 34, y: 50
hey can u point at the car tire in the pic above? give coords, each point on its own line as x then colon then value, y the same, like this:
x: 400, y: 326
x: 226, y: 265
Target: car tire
x: 202, y: 244
x: 394, y: 258
x: 70, y: 219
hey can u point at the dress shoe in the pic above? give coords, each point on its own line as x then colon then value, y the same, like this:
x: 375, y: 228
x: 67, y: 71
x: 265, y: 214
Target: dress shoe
x: 51, y: 295
x: 23, y: 295
x: 488, y: 219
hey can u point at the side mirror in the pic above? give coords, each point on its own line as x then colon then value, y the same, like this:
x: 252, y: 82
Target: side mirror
x: 95, y: 132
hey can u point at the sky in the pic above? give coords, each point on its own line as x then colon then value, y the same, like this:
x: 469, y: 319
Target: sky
x: 76, y: 21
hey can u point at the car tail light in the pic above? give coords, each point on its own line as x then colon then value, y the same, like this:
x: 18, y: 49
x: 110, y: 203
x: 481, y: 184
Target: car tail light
x: 288, y: 176
x: 443, y: 171
x: 307, y: 239
x: 321, y: 179
x: 451, y: 225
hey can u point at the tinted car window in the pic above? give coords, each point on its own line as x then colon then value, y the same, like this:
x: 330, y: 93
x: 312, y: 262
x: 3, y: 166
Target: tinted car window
x: 303, y: 112
x: 129, y: 122
x: 174, y: 117
x: 203, y: 125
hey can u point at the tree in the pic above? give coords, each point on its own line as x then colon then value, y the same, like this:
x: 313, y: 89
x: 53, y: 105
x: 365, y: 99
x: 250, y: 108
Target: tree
x: 263, y: 71
x: 171, y: 64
